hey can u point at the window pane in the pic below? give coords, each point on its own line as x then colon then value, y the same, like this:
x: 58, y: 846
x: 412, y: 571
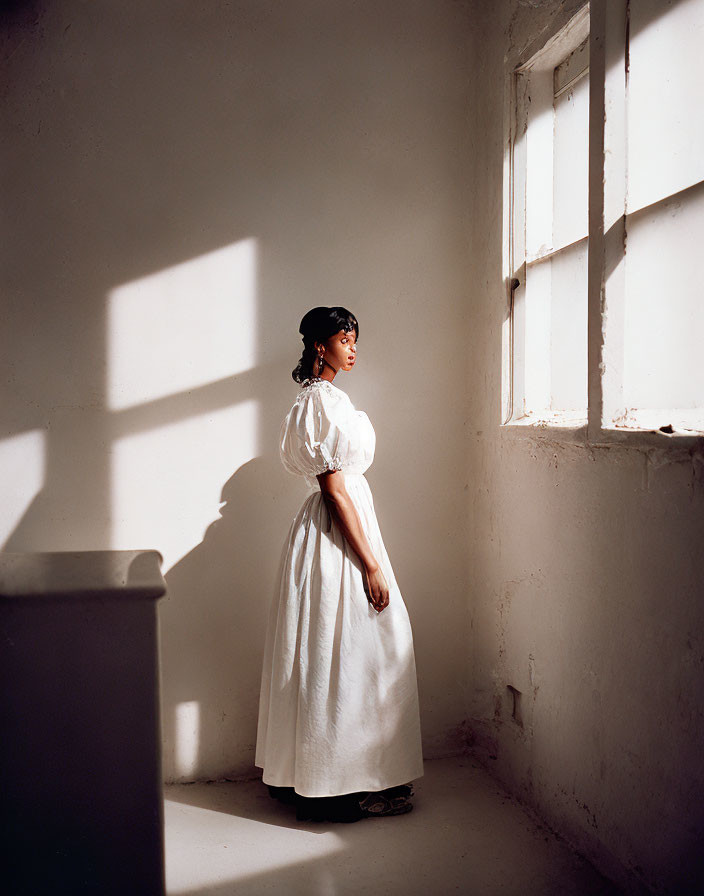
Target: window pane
x: 555, y: 333
x: 568, y: 345
x: 539, y: 164
x: 571, y: 151
x: 538, y: 291
x: 664, y: 313
x: 665, y: 120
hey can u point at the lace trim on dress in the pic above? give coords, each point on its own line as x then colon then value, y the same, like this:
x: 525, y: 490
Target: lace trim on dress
x: 308, y: 384
x: 334, y: 464
x: 327, y: 461
x: 314, y: 381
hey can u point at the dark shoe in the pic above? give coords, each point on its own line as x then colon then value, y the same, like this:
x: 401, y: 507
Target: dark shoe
x: 350, y: 807
x: 382, y: 804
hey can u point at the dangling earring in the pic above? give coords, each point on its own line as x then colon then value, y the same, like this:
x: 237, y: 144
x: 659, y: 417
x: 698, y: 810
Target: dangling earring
x: 321, y: 363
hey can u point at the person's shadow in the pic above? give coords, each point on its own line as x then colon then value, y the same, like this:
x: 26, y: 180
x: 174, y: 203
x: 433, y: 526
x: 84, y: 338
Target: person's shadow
x: 213, y: 624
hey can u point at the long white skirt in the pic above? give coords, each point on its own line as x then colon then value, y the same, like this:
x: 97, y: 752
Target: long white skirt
x: 338, y: 709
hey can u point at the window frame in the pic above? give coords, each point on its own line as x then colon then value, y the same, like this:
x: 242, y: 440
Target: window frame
x: 606, y: 23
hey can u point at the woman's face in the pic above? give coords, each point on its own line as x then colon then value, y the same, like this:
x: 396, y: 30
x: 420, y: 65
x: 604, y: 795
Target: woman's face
x: 341, y: 350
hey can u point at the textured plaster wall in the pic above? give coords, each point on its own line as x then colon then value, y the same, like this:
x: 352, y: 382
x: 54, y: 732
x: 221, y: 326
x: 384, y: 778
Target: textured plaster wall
x: 329, y: 142
x: 587, y: 578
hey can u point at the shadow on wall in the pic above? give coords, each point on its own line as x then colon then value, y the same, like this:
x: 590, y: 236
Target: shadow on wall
x: 213, y: 622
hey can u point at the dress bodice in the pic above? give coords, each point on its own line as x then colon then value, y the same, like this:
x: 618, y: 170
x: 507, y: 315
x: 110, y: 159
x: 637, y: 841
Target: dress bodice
x: 324, y: 431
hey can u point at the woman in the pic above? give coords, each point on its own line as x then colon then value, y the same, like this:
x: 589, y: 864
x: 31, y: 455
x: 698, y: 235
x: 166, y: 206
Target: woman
x: 339, y: 730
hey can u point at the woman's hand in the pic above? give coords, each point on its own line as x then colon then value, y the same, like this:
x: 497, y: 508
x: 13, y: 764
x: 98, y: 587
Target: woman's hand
x: 376, y: 588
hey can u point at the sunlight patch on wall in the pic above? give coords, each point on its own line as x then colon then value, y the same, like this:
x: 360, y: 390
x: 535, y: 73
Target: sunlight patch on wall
x: 183, y: 327
x: 167, y: 482
x: 22, y: 463
x: 187, y: 737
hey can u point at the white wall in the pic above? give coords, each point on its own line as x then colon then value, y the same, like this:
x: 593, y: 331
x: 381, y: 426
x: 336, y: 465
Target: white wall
x: 587, y: 579
x: 183, y: 181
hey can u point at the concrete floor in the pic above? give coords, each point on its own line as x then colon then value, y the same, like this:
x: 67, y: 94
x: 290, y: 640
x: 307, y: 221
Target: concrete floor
x: 465, y: 835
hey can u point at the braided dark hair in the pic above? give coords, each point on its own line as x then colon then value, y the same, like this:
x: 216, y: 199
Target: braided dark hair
x: 318, y: 325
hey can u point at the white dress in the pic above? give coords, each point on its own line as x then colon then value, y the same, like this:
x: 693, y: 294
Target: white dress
x: 338, y: 708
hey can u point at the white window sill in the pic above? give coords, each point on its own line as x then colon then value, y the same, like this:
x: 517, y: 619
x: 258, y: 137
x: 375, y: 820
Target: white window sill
x: 561, y: 427
x: 657, y: 427
x: 573, y: 428
x: 634, y: 437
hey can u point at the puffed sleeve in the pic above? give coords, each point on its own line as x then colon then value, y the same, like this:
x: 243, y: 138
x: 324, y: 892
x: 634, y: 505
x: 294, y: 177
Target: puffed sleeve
x: 314, y: 435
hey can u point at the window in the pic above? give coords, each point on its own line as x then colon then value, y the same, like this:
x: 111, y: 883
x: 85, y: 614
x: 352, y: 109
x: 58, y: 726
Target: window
x: 607, y: 306
x: 550, y: 233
